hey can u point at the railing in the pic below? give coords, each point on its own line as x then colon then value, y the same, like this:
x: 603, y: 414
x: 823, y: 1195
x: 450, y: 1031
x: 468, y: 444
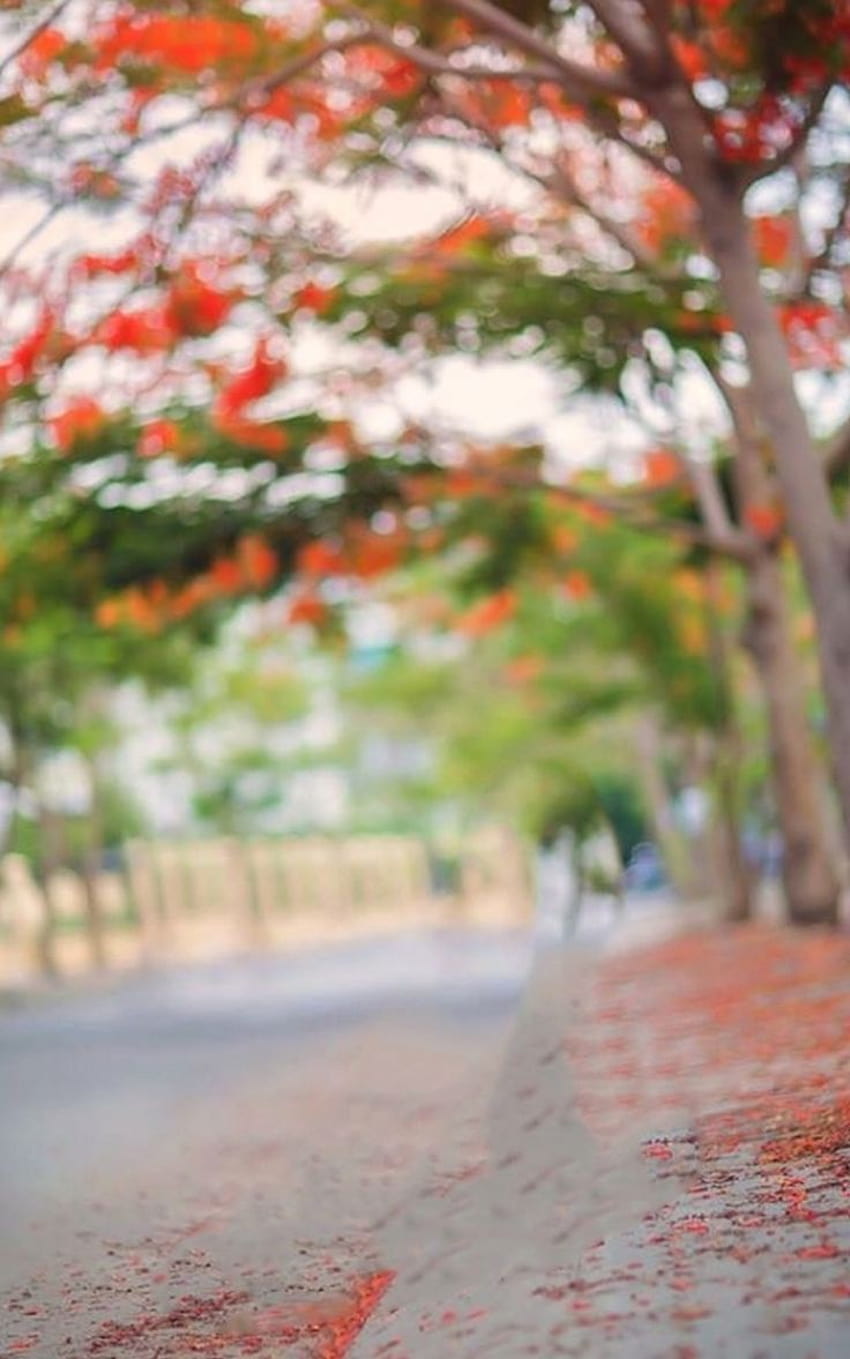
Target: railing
x: 184, y: 900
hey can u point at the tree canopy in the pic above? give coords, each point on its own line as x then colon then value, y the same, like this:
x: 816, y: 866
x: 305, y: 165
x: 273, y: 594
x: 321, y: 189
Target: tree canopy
x: 641, y: 197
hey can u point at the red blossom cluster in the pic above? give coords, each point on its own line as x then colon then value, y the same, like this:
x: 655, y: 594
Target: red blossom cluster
x: 188, y: 43
x: 255, y: 381
x: 816, y: 335
x: 22, y: 363
x: 253, y: 567
x: 487, y: 614
x: 80, y: 419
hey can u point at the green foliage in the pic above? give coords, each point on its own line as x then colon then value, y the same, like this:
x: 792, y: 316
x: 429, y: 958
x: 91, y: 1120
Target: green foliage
x: 540, y: 757
x: 14, y: 109
x: 225, y: 724
x: 621, y: 805
x: 516, y: 530
x: 236, y: 789
x: 587, y: 321
x: 120, y: 818
x: 635, y: 578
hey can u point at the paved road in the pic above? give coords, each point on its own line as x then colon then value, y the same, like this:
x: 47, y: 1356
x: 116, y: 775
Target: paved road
x: 88, y: 1079
x: 239, y: 1128
x: 212, y: 1095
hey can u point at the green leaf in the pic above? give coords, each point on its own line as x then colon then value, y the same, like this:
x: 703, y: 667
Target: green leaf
x: 14, y: 109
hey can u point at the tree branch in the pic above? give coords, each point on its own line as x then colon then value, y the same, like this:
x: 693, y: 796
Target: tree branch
x: 562, y: 183
x: 608, y: 125
x: 837, y: 454
x: 798, y: 140
x: 264, y: 85
x: 709, y: 497
x: 660, y: 15
x: 635, y: 511
x: 643, y: 47
x: 247, y: 99
x: 822, y: 259
x: 583, y: 83
x: 35, y: 32
x: 433, y: 63
x: 14, y: 253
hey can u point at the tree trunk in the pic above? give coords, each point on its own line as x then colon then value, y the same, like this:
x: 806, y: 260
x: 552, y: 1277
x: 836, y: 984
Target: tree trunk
x: 726, y: 764
x: 576, y: 871
x: 618, y: 880
x: 808, y: 875
x: 819, y: 537
x: 13, y: 780
x: 16, y: 776
x: 735, y: 874
x: 713, y: 761
x: 91, y: 867
x: 50, y: 834
x: 671, y: 843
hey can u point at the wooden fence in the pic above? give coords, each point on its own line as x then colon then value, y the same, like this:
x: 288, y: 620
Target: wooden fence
x: 178, y: 901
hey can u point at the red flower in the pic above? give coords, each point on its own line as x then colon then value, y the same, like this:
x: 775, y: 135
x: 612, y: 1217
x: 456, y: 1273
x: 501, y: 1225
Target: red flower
x: 307, y: 608
x: 23, y: 360
x: 81, y: 418
x: 190, y: 44
x: 313, y: 297
x: 42, y: 52
x: 122, y: 263
x: 764, y: 520
x: 259, y: 562
x: 373, y: 554
x: 160, y: 436
x: 256, y: 381
x: 661, y: 467
x: 145, y: 331
x: 577, y: 585
x: 774, y: 237
x: 226, y: 576
x: 262, y: 438
x: 194, y: 307
x: 487, y: 614
x: 814, y: 333
x: 320, y: 559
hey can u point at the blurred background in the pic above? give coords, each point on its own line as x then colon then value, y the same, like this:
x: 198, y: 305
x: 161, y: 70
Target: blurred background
x: 383, y: 535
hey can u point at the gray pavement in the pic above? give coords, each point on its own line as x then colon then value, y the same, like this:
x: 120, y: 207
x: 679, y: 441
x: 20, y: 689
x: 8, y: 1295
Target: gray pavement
x: 206, y: 1105
x: 189, y: 1155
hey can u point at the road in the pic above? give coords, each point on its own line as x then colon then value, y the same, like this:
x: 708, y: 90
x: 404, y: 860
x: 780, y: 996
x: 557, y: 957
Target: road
x: 189, y: 1159
x: 183, y: 1131
x: 206, y: 1105
x: 89, y: 1080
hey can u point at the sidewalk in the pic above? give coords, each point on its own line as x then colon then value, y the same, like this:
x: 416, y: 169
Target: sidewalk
x: 681, y: 1184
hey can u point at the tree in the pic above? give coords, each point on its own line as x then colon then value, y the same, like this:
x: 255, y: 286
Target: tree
x: 584, y: 624
x: 731, y: 509
x: 499, y: 743
x: 225, y: 723
x: 713, y: 101
x: 676, y: 113
x: 58, y: 670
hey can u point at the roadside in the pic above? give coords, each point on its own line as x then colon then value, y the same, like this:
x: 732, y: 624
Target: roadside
x: 680, y: 1185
